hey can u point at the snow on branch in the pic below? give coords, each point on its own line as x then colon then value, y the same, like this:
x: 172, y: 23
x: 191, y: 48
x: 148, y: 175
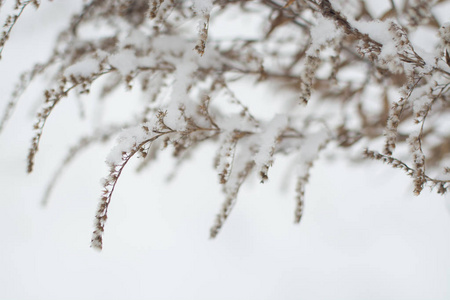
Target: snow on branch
x: 363, y: 77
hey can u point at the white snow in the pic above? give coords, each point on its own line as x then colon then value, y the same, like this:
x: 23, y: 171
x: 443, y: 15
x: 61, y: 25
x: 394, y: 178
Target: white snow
x: 323, y: 32
x: 126, y: 141
x: 202, y: 6
x: 267, y: 140
x: 124, y: 61
x: 84, y: 68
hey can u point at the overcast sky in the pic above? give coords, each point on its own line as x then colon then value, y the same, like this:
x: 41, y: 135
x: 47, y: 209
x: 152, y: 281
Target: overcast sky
x: 363, y: 236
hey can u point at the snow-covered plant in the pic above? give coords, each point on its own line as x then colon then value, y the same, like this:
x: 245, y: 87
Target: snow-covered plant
x: 348, y: 76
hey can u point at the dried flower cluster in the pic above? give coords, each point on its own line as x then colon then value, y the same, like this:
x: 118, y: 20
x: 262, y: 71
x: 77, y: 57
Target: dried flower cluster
x: 360, y: 79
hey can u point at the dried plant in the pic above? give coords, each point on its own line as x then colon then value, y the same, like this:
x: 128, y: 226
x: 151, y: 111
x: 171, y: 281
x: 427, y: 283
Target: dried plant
x: 360, y: 78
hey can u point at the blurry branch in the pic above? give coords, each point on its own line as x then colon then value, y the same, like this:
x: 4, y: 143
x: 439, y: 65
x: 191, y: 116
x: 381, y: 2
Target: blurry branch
x: 343, y: 78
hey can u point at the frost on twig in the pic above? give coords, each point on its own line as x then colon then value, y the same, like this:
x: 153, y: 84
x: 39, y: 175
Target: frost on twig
x: 130, y: 143
x: 309, y: 152
x: 268, y: 140
x: 242, y: 167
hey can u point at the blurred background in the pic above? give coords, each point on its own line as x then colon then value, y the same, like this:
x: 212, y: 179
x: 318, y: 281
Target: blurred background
x: 363, y: 235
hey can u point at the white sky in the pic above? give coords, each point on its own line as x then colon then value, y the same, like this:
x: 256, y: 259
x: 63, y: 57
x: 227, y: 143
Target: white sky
x: 363, y: 235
